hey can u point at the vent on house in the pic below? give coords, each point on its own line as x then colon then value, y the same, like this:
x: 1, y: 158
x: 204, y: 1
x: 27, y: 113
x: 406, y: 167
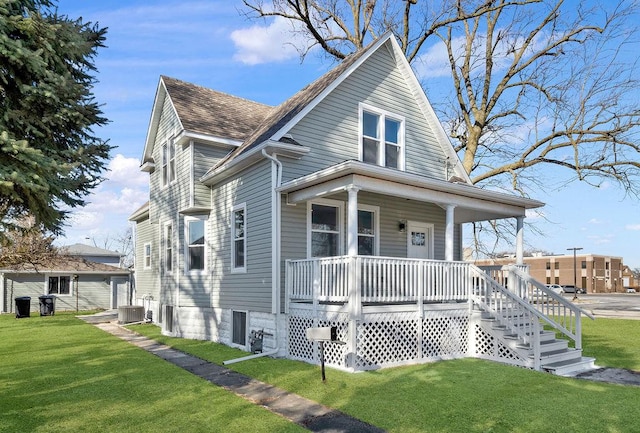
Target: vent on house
x: 239, y: 332
x: 168, y: 315
x: 130, y: 313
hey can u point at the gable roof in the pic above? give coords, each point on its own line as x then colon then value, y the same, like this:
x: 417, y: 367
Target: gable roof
x: 290, y: 108
x: 210, y: 114
x: 88, y: 250
x: 66, y: 264
x: 286, y: 115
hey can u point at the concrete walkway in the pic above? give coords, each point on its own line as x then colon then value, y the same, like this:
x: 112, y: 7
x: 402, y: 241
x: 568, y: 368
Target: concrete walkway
x: 304, y: 412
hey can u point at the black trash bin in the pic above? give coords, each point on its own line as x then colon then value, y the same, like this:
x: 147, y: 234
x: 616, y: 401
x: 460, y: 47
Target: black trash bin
x: 47, y: 305
x: 23, y: 307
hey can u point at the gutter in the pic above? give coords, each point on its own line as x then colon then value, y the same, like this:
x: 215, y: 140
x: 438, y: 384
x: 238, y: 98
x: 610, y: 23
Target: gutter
x: 276, y: 207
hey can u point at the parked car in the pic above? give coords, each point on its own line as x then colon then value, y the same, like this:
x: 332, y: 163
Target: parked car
x: 557, y: 288
x: 570, y: 288
x: 630, y: 290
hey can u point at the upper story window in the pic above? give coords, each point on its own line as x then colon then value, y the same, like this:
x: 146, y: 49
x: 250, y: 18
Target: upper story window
x: 59, y: 285
x: 168, y: 163
x: 382, y: 138
x: 195, y: 235
x: 239, y: 238
x: 147, y: 256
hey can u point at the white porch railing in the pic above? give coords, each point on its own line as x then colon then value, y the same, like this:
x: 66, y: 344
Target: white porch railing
x: 377, y: 279
x: 519, y: 302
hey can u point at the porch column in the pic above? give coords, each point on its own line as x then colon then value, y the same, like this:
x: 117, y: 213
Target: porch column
x: 519, y: 240
x: 352, y: 221
x: 355, y: 304
x: 448, y: 234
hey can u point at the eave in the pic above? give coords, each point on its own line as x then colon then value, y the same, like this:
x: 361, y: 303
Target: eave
x: 251, y: 157
x: 472, y: 203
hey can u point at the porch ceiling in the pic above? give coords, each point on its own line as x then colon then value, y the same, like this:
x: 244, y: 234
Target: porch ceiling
x: 471, y: 203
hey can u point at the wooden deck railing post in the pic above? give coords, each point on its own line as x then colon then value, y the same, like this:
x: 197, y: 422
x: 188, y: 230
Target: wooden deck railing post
x: 316, y: 290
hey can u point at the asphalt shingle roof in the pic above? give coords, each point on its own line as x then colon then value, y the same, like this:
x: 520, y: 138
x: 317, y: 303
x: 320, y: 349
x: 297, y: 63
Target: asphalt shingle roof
x: 210, y: 112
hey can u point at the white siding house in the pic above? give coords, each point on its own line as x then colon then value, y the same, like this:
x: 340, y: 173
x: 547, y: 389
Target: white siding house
x: 342, y: 207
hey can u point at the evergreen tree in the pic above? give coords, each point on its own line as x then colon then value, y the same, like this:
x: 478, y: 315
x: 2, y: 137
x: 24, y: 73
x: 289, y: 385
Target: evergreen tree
x: 50, y: 158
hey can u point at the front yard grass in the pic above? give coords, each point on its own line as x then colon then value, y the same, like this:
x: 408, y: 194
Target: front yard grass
x: 61, y: 374
x: 467, y: 395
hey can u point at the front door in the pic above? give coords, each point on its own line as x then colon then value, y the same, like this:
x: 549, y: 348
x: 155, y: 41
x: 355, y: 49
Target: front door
x: 419, y: 240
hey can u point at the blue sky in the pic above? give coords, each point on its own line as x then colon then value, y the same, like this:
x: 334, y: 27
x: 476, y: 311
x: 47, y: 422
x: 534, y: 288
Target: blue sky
x: 212, y: 44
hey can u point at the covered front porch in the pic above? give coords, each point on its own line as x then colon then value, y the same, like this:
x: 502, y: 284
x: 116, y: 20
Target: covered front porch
x: 458, y: 201
x: 394, y: 306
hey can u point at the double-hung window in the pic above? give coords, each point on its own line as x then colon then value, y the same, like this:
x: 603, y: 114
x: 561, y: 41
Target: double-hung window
x: 325, y: 223
x: 195, y: 256
x: 167, y: 242
x: 368, y: 230
x: 59, y: 285
x: 382, y: 138
x: 239, y: 238
x: 147, y: 256
x: 168, y: 163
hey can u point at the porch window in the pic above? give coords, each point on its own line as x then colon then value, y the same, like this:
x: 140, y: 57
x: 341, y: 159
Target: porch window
x: 325, y: 229
x: 195, y: 236
x: 367, y: 231
x: 382, y: 140
x: 239, y: 238
x: 59, y: 285
x: 147, y: 256
x: 168, y: 163
x: 168, y: 247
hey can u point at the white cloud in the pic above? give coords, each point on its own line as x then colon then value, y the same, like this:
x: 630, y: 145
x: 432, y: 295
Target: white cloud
x: 634, y: 227
x: 600, y: 240
x: 263, y: 44
x: 434, y: 62
x: 126, y: 171
x: 595, y: 221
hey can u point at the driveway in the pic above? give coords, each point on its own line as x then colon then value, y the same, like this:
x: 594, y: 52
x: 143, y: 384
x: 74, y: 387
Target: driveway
x: 611, y: 305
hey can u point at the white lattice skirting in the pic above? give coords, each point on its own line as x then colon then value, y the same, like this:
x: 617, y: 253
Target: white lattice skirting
x: 383, y: 338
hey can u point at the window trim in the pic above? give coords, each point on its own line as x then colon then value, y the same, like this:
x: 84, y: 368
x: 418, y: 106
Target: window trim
x: 167, y: 245
x: 168, y: 162
x: 187, y: 219
x: 58, y: 276
x: 238, y: 269
x: 146, y: 256
x: 376, y: 226
x: 384, y: 114
x: 246, y: 329
x: 326, y: 202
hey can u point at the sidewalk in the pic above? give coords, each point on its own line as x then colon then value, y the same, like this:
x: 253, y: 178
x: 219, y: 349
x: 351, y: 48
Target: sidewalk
x: 304, y: 412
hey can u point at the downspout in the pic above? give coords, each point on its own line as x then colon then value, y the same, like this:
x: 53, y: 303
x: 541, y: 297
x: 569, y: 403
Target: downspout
x: 276, y: 207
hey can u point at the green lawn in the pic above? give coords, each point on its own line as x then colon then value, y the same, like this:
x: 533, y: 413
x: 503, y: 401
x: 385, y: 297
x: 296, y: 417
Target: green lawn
x: 61, y: 374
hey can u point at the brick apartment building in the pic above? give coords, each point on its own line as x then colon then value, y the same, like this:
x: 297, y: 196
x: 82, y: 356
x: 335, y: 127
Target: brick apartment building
x: 595, y: 273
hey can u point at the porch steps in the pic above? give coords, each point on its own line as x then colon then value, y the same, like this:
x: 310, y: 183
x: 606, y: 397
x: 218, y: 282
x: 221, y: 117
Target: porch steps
x: 556, y: 356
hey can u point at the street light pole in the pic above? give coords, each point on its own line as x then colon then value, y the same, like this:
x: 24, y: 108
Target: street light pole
x: 575, y: 272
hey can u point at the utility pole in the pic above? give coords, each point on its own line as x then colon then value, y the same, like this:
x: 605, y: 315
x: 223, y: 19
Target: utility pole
x: 575, y: 272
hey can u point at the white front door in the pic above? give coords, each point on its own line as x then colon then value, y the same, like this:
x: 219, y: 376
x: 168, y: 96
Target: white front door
x: 419, y: 240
